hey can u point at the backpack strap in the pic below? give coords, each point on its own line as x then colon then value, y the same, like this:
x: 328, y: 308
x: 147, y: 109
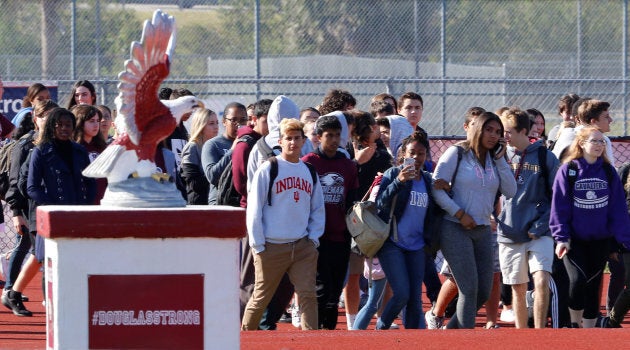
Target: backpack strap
x: 273, y: 173
x: 572, y: 173
x: 544, y: 170
x: 609, y: 169
x: 264, y: 148
x: 311, y: 168
x: 460, y: 154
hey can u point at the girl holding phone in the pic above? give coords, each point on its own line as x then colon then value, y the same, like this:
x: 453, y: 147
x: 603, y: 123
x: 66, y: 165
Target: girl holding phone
x: 466, y: 237
x: 408, y: 189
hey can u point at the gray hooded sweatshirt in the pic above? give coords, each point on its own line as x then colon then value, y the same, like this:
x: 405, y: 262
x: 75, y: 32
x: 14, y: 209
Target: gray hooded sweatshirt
x: 282, y: 107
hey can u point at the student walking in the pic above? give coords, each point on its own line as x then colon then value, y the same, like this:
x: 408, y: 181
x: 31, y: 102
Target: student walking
x: 466, y: 234
x: 339, y: 181
x: 407, y: 189
x: 525, y: 243
x: 588, y: 211
x: 284, y: 226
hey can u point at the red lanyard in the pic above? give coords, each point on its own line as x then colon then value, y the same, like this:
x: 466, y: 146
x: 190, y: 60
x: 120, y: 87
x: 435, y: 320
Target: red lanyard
x: 520, y: 166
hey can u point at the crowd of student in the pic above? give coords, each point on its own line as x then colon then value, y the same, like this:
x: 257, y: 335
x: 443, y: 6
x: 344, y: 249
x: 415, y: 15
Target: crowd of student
x: 506, y: 199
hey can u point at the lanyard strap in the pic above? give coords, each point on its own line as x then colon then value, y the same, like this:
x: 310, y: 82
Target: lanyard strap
x: 520, y: 166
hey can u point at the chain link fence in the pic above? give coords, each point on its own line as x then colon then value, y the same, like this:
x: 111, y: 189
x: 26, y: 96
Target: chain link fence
x: 455, y: 53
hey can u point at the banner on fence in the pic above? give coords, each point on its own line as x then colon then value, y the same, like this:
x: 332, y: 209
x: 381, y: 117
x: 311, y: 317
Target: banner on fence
x: 14, y: 93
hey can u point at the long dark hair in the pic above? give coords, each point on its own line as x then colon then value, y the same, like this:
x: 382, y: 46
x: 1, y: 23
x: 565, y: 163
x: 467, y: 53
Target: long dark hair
x: 84, y: 113
x: 84, y: 83
x: 474, y: 137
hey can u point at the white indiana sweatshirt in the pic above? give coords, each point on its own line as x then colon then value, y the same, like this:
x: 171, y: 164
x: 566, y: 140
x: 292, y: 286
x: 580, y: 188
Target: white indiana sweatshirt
x: 297, y: 206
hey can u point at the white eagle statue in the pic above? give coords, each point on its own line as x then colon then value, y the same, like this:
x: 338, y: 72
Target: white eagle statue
x: 143, y: 120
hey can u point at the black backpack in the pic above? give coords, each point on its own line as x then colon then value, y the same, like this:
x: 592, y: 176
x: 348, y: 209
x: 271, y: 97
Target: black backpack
x: 226, y: 192
x: 5, y: 166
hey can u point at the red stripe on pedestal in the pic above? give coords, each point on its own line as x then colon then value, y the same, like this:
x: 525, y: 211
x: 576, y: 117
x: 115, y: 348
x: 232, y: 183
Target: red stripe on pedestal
x: 113, y: 222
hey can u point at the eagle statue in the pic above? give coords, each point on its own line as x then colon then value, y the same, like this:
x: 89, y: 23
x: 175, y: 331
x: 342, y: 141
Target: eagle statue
x: 143, y: 120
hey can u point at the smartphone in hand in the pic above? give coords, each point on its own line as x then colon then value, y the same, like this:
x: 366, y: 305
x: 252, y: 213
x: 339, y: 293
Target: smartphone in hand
x: 498, y: 150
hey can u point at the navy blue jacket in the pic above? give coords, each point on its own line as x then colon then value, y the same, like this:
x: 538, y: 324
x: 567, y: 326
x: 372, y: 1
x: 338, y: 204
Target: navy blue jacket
x: 50, y: 181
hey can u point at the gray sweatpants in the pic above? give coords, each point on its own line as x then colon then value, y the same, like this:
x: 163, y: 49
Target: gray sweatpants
x: 469, y: 255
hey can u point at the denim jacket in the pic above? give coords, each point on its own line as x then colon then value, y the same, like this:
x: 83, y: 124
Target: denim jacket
x: 390, y: 186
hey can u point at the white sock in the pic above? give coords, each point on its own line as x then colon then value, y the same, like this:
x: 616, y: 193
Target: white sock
x: 589, y: 322
x: 576, y: 316
x: 350, y: 319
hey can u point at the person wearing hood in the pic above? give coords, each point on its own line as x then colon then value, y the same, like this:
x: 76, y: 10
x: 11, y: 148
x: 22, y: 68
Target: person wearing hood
x: 525, y: 243
x: 216, y: 153
x: 339, y: 180
x: 281, y: 108
x: 255, y: 130
x: 588, y: 212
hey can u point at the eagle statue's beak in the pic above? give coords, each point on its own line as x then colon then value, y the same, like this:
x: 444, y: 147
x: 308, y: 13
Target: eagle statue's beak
x: 199, y: 104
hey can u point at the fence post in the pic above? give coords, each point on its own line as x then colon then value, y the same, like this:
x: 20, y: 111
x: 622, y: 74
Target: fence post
x: 257, y: 46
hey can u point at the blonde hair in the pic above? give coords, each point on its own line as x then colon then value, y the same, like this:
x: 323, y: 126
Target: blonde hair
x: 290, y: 124
x: 576, y: 150
x: 198, y: 122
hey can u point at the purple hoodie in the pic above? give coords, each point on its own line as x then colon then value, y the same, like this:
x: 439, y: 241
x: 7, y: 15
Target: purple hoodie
x: 597, y: 210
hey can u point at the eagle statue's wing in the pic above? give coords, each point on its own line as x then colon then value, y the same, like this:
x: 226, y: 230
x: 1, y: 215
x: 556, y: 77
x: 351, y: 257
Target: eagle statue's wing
x: 138, y: 101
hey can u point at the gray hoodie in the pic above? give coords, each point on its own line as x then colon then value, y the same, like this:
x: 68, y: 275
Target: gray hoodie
x: 475, y: 188
x: 282, y: 107
x: 529, y: 209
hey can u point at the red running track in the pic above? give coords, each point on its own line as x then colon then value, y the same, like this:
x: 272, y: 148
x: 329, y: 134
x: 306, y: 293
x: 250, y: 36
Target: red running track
x: 30, y: 333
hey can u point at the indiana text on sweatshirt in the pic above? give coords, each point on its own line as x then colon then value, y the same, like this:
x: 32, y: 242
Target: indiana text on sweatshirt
x: 297, y: 206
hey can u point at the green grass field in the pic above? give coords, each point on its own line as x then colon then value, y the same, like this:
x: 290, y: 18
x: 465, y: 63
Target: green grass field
x: 185, y: 17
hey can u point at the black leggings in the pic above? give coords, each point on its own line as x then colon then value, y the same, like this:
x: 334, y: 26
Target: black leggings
x: 585, y: 264
x: 622, y: 305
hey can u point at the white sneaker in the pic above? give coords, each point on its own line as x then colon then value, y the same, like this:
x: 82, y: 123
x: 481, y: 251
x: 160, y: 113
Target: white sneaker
x: 433, y: 322
x: 296, y: 316
x: 507, y: 316
x: 394, y: 326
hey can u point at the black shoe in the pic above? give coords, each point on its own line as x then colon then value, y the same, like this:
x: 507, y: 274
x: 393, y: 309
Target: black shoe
x: 24, y: 298
x: 610, y: 323
x: 13, y: 300
x: 575, y: 325
x: 5, y: 299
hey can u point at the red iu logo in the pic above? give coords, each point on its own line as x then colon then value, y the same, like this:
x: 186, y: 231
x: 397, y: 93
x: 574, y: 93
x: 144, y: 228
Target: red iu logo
x: 296, y: 196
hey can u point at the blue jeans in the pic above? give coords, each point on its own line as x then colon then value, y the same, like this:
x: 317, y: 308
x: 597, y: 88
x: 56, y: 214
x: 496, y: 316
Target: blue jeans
x: 405, y: 271
x: 23, y: 245
x: 375, y: 296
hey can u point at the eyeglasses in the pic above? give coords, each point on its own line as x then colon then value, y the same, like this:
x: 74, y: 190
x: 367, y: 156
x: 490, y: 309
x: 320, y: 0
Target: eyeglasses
x: 235, y: 121
x: 596, y: 141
